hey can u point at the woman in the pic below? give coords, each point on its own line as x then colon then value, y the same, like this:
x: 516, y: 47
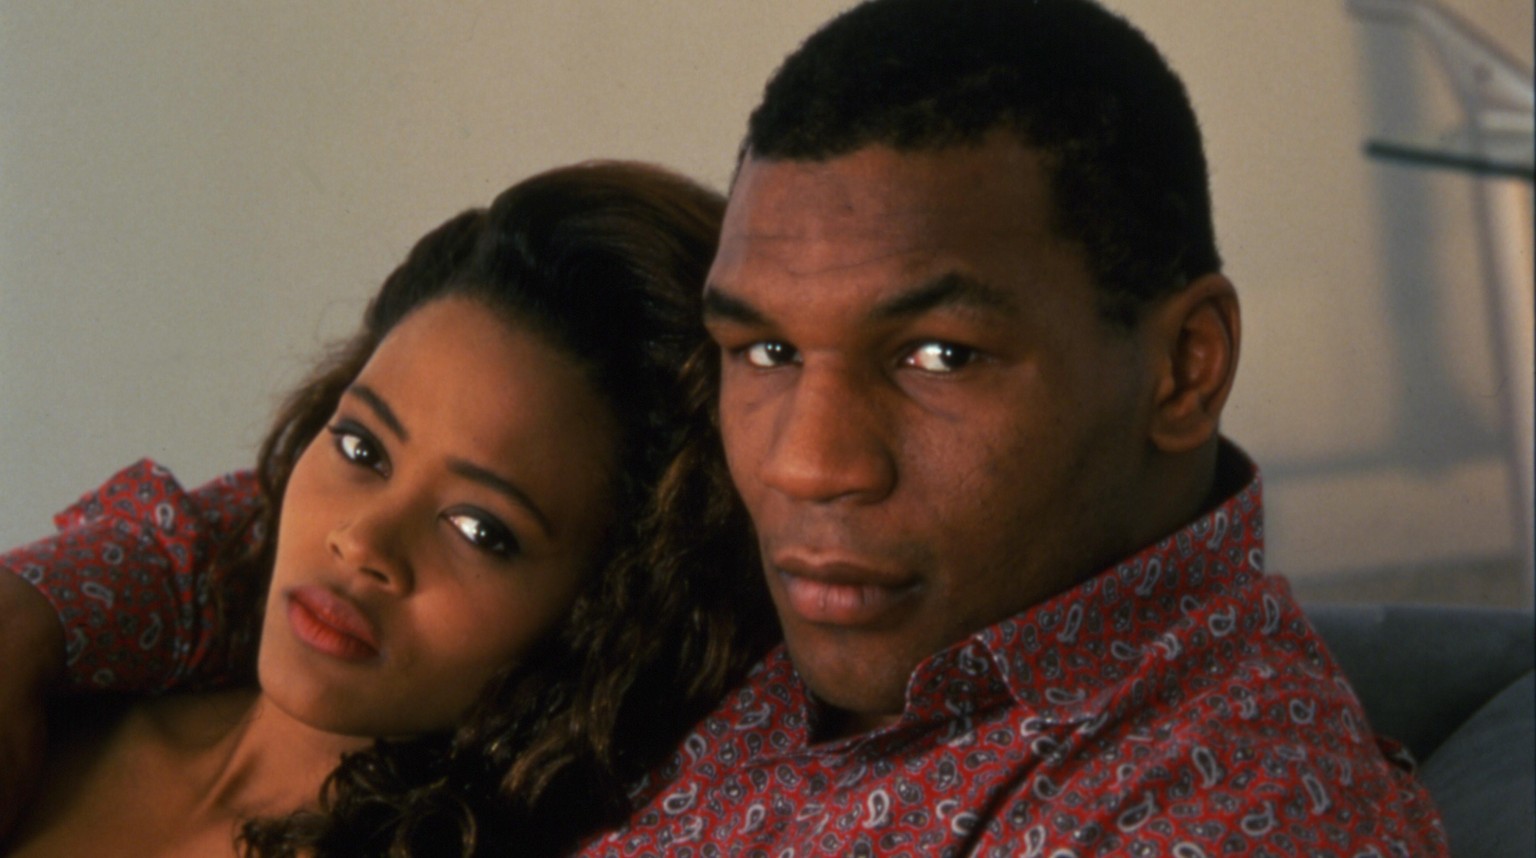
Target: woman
x: 506, y: 557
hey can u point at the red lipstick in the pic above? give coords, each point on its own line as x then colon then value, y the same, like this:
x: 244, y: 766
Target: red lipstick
x: 331, y: 624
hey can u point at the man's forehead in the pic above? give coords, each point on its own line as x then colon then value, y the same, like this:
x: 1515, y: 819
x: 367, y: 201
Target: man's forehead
x: 996, y: 185
x: 962, y: 208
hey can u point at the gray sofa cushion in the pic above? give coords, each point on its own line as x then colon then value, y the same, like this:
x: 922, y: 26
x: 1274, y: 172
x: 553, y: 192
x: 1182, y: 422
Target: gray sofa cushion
x: 1422, y: 671
x: 1456, y: 686
x: 1481, y: 776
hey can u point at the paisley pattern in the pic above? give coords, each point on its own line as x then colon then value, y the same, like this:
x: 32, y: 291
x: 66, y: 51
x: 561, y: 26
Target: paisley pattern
x: 1178, y: 704
x: 127, y: 574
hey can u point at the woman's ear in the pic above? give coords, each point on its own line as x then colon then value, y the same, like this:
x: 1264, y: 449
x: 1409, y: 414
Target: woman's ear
x: 1198, y: 331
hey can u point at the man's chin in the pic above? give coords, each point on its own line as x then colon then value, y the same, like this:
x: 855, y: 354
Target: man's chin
x: 861, y: 694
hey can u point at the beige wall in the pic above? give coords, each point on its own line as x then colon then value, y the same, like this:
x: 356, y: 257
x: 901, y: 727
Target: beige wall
x: 195, y: 197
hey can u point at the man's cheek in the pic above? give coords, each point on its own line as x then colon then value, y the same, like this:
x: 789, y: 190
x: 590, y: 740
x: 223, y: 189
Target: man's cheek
x: 745, y: 441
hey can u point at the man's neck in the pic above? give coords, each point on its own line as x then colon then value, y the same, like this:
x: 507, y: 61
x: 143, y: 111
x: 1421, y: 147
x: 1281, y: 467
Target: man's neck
x: 834, y: 724
x: 1177, y: 490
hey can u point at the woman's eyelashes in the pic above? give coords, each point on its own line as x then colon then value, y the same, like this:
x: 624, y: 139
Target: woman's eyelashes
x: 483, y: 532
x: 358, y: 447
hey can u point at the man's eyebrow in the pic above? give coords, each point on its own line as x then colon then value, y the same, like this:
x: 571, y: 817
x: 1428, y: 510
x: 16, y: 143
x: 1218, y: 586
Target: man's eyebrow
x: 496, y: 482
x: 380, y: 408
x: 724, y: 307
x: 951, y: 290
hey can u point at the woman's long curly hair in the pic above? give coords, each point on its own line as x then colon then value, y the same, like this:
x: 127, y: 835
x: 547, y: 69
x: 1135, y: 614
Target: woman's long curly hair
x: 607, y: 259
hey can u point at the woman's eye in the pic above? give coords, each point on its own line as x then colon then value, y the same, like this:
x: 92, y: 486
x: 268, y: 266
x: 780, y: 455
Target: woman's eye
x: 939, y: 357
x: 356, y: 447
x: 769, y: 354
x: 483, y: 533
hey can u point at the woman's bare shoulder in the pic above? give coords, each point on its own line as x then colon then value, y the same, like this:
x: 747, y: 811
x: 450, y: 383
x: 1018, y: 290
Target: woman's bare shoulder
x: 120, y: 770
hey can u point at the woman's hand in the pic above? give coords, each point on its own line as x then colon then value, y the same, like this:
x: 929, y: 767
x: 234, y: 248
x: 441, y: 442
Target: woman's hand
x: 31, y: 664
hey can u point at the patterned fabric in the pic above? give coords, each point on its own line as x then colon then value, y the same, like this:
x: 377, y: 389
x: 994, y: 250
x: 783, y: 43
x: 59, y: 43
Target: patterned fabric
x: 1178, y: 704
x: 128, y: 575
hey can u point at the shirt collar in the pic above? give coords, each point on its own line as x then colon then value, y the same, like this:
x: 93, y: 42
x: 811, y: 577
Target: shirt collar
x: 1061, y: 658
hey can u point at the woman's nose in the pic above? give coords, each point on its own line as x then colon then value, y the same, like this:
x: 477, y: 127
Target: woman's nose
x: 369, y: 543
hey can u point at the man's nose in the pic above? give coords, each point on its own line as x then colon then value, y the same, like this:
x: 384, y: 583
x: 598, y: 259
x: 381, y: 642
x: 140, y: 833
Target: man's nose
x: 371, y: 543
x: 830, y: 439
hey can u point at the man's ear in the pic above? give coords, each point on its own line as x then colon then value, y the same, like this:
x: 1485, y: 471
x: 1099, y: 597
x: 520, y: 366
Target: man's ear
x: 1197, y: 332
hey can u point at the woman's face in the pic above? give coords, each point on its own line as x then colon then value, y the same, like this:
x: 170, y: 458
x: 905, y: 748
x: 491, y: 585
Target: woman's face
x: 441, y: 523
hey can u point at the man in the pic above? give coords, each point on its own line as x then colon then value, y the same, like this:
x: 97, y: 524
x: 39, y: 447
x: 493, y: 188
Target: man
x: 975, y: 344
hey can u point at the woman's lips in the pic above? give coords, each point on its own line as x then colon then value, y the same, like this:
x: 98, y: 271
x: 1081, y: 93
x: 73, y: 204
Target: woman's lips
x: 331, y: 624
x: 840, y: 594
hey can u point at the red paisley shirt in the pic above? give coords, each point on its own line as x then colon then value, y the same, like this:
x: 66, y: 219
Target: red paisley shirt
x: 1178, y: 704
x: 127, y: 574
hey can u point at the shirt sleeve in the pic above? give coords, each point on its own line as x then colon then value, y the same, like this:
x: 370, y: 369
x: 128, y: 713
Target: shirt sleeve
x: 130, y: 574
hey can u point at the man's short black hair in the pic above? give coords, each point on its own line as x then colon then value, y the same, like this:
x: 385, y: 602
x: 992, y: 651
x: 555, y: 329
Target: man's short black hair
x: 1075, y: 82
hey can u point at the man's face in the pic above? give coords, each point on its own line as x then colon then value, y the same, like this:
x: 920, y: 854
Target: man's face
x: 930, y: 424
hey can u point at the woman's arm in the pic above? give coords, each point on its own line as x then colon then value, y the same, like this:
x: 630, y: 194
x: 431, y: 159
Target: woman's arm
x: 32, y: 650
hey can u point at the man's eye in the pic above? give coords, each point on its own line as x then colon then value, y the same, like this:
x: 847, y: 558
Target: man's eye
x: 939, y: 357
x: 356, y: 447
x: 485, y: 534
x: 767, y: 355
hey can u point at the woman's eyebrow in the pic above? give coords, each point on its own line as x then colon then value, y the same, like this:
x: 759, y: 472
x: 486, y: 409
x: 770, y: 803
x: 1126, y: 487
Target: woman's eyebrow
x: 490, y: 479
x: 380, y: 408
x: 464, y: 468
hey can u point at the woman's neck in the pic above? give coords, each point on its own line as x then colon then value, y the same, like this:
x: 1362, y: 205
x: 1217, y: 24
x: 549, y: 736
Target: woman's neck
x: 247, y: 757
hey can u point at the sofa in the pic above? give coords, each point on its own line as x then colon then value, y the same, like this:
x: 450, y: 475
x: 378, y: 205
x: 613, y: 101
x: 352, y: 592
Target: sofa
x: 1456, y: 686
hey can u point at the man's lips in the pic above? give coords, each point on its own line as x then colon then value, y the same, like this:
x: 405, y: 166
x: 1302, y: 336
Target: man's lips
x: 331, y: 624
x: 839, y: 593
